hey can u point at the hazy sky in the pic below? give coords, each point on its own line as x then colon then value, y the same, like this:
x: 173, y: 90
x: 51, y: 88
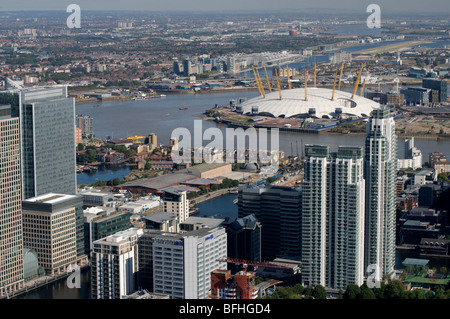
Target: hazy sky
x: 387, y: 6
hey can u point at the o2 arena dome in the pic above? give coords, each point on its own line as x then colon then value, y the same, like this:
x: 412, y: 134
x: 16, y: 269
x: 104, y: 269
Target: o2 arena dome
x: 318, y: 104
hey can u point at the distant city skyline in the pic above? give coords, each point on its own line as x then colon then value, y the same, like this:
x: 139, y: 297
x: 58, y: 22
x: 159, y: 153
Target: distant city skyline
x: 351, y: 6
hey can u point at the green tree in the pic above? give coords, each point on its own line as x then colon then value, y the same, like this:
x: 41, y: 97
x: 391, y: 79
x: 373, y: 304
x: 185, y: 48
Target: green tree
x: 352, y: 292
x: 80, y: 146
x: 417, y: 294
x: 440, y: 293
x: 443, y: 270
x: 395, y: 290
x: 366, y: 292
x: 298, y: 289
x: 308, y: 292
x: 319, y: 292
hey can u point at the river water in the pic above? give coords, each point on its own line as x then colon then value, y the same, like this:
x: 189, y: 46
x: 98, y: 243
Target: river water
x: 162, y: 116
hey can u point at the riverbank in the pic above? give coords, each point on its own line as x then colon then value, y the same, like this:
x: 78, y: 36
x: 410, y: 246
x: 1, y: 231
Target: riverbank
x: 46, y: 280
x: 392, y: 47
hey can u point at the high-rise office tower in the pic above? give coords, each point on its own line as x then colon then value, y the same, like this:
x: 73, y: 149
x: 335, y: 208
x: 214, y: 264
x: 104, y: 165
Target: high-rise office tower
x: 180, y: 265
x: 333, y: 217
x: 438, y: 85
x: 11, y: 235
x: 279, y: 210
x: 47, y: 133
x: 380, y: 169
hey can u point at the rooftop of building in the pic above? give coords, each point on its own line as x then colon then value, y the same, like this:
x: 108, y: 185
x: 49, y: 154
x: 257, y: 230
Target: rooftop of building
x: 201, y: 168
x: 160, y: 217
x: 120, y: 237
x: 205, y: 221
x: 293, y: 103
x: 51, y: 198
x: 159, y: 182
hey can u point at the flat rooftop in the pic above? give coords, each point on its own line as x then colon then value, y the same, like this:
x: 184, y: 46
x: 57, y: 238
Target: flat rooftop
x: 50, y: 198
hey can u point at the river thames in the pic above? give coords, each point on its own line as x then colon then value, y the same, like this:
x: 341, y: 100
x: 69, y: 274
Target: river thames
x: 162, y: 116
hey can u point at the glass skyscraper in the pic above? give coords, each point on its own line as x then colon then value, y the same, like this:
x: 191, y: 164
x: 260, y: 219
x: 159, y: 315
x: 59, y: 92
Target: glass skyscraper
x: 47, y: 119
x: 380, y: 170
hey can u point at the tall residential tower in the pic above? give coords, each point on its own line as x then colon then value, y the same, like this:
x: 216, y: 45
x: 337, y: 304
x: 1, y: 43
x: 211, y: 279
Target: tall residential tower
x: 333, y: 217
x: 380, y: 169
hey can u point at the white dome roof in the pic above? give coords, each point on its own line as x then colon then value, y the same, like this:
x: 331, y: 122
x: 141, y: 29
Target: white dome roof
x: 319, y: 103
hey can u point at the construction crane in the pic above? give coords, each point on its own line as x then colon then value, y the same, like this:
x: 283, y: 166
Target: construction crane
x: 135, y: 139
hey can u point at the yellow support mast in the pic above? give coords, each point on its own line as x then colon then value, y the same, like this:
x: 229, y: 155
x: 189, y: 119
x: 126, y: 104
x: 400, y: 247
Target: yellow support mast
x: 334, y: 85
x: 278, y: 83
x: 306, y: 87
x: 256, y: 79
x: 355, y: 88
x: 340, y: 76
x: 315, y: 70
x: 260, y: 83
x: 267, y: 79
x: 288, y: 77
x: 364, y: 83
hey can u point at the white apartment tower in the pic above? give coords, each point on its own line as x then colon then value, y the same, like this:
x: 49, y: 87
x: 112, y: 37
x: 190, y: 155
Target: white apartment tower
x: 114, y: 265
x: 177, y: 204
x: 333, y: 217
x: 380, y: 175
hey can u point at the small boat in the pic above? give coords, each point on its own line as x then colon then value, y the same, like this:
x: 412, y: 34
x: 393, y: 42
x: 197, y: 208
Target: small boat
x: 184, y: 107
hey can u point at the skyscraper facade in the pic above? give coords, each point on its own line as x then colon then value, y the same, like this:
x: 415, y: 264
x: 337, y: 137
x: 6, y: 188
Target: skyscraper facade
x: 47, y: 121
x: 50, y: 229
x: 333, y: 217
x: 11, y: 234
x: 380, y: 169
x: 278, y: 209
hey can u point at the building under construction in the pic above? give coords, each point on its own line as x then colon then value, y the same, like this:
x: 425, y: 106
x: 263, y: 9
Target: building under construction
x: 224, y: 285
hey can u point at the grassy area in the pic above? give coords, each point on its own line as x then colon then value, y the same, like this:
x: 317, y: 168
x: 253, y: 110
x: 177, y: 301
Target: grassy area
x: 421, y: 279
